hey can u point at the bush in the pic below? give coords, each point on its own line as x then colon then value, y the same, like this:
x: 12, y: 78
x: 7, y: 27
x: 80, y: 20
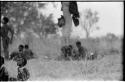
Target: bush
x: 114, y: 51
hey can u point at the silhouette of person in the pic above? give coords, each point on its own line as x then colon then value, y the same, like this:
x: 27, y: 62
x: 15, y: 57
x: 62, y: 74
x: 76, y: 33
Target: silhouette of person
x: 5, y: 30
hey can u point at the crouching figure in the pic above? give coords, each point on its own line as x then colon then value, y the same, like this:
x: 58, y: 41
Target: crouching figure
x: 23, y: 74
x: 19, y: 57
x: 81, y: 50
x: 28, y: 52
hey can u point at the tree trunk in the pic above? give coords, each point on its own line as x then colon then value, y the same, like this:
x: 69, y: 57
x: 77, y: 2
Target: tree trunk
x: 87, y: 34
x: 66, y: 31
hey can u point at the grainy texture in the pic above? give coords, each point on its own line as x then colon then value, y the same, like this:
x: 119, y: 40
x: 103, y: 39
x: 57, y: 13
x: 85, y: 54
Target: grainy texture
x: 45, y: 67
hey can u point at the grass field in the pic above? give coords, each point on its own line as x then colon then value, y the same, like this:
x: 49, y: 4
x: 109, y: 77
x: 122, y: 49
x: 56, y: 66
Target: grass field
x: 44, y: 67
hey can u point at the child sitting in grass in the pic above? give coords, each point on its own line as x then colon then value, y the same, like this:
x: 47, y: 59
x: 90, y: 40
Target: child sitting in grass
x: 20, y: 58
x: 28, y: 52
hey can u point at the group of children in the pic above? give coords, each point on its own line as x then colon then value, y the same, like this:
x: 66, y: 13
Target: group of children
x: 23, y: 51
x: 20, y: 57
x: 69, y: 52
x: 79, y: 53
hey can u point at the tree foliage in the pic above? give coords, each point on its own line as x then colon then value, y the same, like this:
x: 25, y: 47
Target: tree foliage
x: 24, y: 15
x: 111, y: 36
x: 89, y: 20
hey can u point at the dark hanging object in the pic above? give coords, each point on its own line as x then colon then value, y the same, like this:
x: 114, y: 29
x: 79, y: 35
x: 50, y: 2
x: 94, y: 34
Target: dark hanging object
x: 73, y: 8
x: 61, y: 21
x: 61, y: 7
x: 75, y: 20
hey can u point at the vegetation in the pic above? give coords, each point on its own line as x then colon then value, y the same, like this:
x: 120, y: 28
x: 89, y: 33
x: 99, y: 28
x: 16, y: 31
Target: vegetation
x: 25, y: 15
x: 89, y: 20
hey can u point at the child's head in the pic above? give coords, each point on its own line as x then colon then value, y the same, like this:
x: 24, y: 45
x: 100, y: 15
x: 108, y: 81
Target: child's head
x: 5, y: 20
x: 21, y: 47
x: 78, y: 43
x: 26, y: 46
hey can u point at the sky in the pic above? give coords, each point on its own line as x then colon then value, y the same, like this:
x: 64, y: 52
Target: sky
x: 110, y: 14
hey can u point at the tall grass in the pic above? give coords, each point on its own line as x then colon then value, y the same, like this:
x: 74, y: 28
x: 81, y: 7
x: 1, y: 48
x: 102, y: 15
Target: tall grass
x: 46, y: 68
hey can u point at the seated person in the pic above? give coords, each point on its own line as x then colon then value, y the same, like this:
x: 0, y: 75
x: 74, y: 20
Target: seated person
x: 81, y: 50
x: 28, y: 52
x: 69, y: 51
x: 63, y: 51
x: 19, y: 56
x: 70, y: 48
x: 14, y: 55
x: 75, y: 55
x: 23, y: 73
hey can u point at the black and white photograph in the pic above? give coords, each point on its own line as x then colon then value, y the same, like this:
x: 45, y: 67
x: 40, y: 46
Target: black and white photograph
x: 61, y: 40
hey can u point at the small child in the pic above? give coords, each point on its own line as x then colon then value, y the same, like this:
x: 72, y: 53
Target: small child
x: 17, y: 54
x: 23, y: 73
x: 81, y: 50
x: 19, y: 57
x: 28, y: 53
